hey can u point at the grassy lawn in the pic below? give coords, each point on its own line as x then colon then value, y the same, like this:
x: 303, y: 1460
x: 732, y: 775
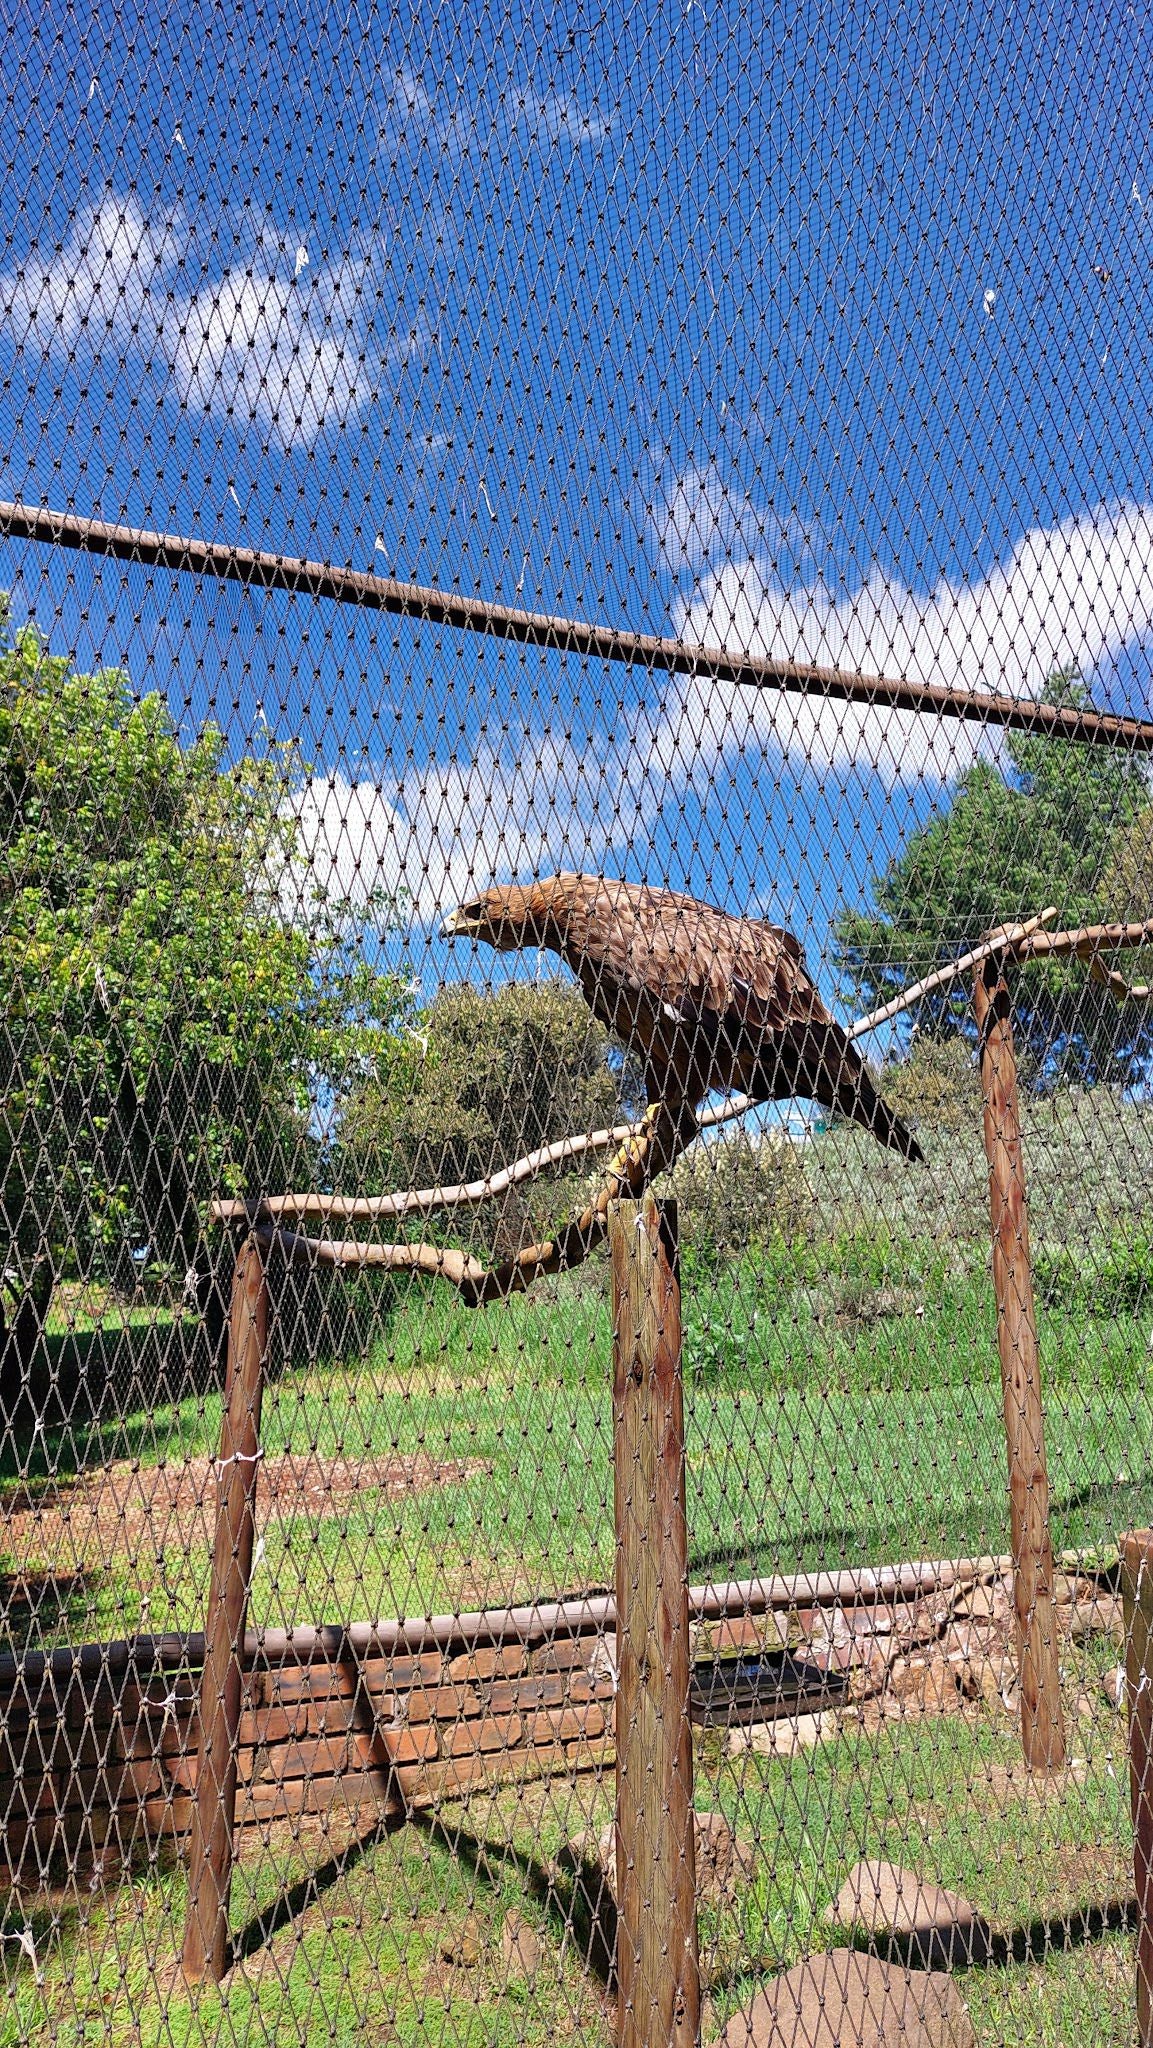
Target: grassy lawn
x: 819, y: 1432
x: 843, y: 1407
x: 379, y: 1943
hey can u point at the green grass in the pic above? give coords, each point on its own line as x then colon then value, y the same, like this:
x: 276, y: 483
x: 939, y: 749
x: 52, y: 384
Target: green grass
x: 844, y: 1405
x: 362, y: 1954
x: 844, y: 1408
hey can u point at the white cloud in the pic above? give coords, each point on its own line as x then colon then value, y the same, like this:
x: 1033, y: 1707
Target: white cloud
x: 250, y: 347
x: 456, y: 829
x: 482, y: 117
x: 1068, y: 596
x: 103, y: 284
x: 271, y: 342
x: 699, y: 517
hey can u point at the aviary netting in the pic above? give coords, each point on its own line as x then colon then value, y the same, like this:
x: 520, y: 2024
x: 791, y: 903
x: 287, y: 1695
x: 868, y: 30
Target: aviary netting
x: 645, y: 1149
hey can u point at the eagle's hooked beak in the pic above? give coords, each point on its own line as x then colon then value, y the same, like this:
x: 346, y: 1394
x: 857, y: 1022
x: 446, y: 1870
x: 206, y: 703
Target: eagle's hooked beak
x: 459, y: 923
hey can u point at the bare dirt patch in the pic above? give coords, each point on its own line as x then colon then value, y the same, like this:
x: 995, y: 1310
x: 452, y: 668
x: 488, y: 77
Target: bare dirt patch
x: 129, y: 1510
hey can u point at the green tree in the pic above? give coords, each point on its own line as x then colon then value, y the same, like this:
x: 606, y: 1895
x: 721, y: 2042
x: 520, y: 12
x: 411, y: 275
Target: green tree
x: 170, y: 1012
x: 497, y: 1075
x: 1043, y: 829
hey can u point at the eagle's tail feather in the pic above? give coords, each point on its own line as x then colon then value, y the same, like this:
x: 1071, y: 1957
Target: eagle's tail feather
x: 860, y: 1099
x: 840, y: 1080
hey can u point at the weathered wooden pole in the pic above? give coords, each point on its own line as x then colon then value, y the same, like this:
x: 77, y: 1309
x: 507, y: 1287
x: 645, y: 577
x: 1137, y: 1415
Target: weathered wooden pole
x: 658, y: 1972
x: 1137, y: 1595
x: 1042, y: 1729
x: 206, y: 1937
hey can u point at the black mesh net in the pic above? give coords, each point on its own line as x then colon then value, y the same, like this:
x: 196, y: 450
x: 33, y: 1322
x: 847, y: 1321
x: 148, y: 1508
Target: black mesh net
x: 576, y: 901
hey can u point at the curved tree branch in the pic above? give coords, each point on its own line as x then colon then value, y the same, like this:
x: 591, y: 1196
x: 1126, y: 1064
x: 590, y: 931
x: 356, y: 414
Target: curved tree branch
x: 651, y: 1146
x: 662, y: 1137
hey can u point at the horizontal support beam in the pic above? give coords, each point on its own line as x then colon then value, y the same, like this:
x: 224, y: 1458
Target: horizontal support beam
x: 260, y: 569
x: 491, y: 1627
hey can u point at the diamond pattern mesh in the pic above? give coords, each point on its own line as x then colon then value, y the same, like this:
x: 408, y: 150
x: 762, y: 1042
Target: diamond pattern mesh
x: 578, y: 594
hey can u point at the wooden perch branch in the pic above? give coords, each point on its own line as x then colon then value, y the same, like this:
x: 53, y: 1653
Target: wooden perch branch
x: 654, y: 1145
x: 1125, y: 991
x: 659, y: 1141
x: 1007, y: 938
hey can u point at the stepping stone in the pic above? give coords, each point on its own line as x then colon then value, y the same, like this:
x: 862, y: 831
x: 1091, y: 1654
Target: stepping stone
x: 936, y: 1929
x: 520, y: 1947
x: 848, y: 2000
x: 786, y: 1737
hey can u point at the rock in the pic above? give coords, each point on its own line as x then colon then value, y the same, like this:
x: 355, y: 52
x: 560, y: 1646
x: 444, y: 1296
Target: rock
x: 993, y: 1602
x: 743, y: 1632
x: 786, y: 1737
x: 1103, y: 1616
x: 466, y: 1944
x: 843, y: 1998
x: 833, y: 1645
x: 933, y: 1682
x: 519, y: 1947
x: 936, y: 1928
x: 724, y: 1862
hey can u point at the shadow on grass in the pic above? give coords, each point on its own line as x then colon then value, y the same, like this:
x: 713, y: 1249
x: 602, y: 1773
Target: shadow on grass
x: 581, y: 1906
x: 1034, y: 1941
x: 310, y: 1888
x: 40, y: 1602
x: 95, y: 1393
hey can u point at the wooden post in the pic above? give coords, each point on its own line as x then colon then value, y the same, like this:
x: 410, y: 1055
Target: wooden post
x: 1042, y: 1730
x: 658, y: 1974
x: 1137, y: 1595
x: 206, y: 1937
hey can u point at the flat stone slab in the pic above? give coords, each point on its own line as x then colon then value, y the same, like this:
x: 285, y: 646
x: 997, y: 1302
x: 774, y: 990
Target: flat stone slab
x: 785, y: 1737
x: 937, y: 1929
x: 848, y: 2000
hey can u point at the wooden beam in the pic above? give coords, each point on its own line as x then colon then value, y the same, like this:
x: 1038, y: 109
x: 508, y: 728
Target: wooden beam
x: 262, y: 569
x: 1137, y: 1597
x: 1042, y: 1729
x: 207, y: 1948
x: 658, y: 1972
x: 540, y: 1621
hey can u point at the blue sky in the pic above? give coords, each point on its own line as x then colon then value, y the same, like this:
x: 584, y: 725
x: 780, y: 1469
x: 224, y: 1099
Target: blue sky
x: 824, y: 332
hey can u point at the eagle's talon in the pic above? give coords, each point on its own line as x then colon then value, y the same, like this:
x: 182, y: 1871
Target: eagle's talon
x: 619, y: 1165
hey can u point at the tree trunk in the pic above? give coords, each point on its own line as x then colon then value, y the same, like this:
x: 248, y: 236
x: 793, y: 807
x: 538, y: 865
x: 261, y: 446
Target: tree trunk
x: 24, y: 1372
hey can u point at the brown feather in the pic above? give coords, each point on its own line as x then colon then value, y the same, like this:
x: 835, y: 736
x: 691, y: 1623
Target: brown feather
x: 711, y: 1003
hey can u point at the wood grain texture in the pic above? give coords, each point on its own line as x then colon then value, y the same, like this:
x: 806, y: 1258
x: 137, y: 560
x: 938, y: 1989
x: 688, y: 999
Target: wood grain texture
x: 1042, y: 1726
x: 658, y: 1973
x: 206, y: 1937
x: 1137, y: 1596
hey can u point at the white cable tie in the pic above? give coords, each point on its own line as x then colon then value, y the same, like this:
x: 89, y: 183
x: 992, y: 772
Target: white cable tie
x: 26, y: 1940
x: 239, y: 1458
x: 170, y: 1704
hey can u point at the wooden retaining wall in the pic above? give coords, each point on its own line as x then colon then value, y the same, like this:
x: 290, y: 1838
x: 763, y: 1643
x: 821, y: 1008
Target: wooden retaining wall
x: 98, y: 1744
x: 112, y: 1765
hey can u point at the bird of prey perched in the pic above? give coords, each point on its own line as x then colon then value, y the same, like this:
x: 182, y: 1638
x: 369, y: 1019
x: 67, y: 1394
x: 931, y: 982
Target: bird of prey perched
x: 709, y: 1003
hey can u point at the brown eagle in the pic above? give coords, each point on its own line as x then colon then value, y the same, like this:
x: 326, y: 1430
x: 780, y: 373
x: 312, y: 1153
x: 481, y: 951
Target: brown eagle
x: 709, y: 1003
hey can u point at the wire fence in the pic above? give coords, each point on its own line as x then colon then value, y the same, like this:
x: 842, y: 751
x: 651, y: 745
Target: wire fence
x: 577, y: 881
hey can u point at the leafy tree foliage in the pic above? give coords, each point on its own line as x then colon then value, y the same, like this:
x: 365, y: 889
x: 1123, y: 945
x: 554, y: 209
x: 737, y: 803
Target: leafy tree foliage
x: 169, y: 1011
x: 1046, y: 828
x: 498, y: 1075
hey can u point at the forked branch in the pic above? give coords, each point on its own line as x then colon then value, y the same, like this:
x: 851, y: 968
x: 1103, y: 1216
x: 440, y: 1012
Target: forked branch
x: 649, y: 1148
x: 657, y: 1144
